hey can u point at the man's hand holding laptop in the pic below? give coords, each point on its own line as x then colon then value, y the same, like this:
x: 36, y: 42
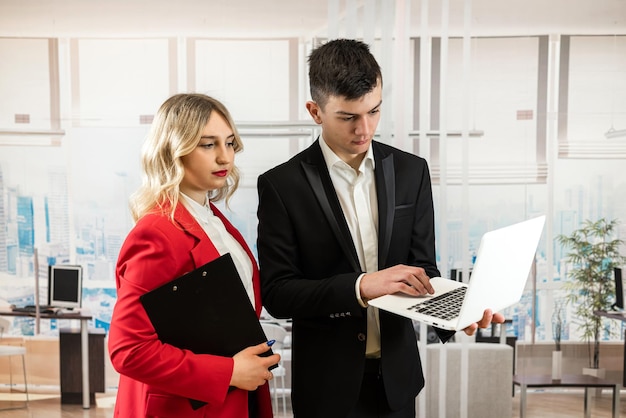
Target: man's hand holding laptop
x: 412, y: 281
x: 488, y: 318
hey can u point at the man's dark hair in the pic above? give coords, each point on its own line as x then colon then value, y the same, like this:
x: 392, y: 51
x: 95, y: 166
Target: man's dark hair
x: 343, y: 68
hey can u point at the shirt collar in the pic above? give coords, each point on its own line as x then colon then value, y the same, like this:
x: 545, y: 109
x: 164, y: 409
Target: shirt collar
x: 197, y: 210
x: 333, y: 159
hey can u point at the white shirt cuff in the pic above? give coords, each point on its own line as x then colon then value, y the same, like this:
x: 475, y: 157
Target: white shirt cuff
x: 357, y: 290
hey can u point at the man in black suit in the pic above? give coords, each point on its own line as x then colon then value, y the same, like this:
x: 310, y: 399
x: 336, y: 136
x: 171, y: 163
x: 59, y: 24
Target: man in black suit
x: 342, y: 222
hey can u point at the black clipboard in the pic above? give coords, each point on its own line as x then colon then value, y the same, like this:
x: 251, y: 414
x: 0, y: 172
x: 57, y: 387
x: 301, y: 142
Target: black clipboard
x: 206, y: 311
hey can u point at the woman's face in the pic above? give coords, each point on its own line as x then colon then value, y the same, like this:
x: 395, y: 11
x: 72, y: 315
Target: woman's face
x: 207, y: 167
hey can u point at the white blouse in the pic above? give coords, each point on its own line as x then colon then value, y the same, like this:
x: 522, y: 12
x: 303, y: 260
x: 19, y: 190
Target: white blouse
x: 222, y: 240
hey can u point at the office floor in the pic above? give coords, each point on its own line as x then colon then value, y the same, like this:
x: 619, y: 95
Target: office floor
x: 540, y: 404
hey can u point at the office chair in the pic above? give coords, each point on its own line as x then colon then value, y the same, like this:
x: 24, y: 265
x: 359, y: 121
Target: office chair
x: 278, y: 333
x: 10, y: 351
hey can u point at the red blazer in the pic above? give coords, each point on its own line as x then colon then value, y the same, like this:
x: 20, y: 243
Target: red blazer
x: 156, y: 380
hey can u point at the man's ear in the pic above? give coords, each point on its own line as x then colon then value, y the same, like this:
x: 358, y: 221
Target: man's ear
x: 314, y: 111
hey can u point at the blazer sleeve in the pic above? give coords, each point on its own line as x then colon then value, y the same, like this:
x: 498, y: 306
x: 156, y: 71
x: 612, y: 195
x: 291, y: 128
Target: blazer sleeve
x: 304, y: 273
x: 151, y: 256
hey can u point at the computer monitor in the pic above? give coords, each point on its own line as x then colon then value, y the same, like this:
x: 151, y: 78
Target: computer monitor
x: 619, y: 289
x: 65, y: 286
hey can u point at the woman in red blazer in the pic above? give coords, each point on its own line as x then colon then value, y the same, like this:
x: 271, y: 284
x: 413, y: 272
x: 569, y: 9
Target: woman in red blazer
x: 188, y: 163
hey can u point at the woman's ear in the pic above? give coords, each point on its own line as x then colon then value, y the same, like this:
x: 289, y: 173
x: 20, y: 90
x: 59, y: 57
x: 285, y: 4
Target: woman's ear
x: 314, y: 111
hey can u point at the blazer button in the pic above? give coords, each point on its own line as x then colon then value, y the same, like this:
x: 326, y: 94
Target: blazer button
x: 361, y: 336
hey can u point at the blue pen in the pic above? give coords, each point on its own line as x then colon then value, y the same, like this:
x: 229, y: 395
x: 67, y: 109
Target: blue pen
x: 271, y: 343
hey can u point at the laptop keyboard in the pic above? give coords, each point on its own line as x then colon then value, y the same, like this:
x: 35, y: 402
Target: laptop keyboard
x: 446, y: 306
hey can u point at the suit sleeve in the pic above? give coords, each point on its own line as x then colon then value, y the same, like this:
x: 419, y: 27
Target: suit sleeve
x: 297, y: 285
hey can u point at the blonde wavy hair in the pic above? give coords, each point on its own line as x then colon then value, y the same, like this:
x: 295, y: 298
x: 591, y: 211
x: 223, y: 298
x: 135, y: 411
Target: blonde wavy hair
x: 175, y: 132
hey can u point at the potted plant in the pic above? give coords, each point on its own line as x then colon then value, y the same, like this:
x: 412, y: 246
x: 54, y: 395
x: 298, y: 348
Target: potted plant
x: 593, y: 253
x: 557, y: 333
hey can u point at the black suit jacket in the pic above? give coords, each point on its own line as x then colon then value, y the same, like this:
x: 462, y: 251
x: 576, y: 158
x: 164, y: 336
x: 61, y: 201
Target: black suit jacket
x: 309, y: 268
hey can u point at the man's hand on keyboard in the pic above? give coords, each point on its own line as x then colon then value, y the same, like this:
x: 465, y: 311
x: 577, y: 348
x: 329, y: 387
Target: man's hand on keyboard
x: 400, y: 278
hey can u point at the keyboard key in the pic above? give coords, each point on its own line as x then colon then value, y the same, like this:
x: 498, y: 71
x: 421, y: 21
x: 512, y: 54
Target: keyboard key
x: 445, y: 306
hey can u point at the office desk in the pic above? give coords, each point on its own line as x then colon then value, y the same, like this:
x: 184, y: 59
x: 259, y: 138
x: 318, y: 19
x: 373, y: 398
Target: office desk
x: 567, y: 381
x: 620, y: 316
x: 84, y: 318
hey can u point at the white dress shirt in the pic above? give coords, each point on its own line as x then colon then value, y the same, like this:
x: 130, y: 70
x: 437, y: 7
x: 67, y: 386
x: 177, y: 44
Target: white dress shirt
x: 356, y: 191
x: 222, y: 240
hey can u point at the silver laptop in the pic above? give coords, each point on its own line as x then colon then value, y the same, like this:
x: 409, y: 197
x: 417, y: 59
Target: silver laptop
x: 498, y: 278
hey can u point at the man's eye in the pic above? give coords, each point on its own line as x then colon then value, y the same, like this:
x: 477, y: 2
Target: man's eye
x: 348, y: 118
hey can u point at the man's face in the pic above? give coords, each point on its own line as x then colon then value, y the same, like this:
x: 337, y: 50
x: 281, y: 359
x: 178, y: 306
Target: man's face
x: 348, y: 126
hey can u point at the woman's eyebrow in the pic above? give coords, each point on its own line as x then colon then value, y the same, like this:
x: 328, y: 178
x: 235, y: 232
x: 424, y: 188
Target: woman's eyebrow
x: 216, y: 137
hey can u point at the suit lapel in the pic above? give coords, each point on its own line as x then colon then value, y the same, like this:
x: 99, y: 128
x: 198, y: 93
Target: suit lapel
x: 204, y: 250
x: 317, y: 174
x: 386, y: 195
